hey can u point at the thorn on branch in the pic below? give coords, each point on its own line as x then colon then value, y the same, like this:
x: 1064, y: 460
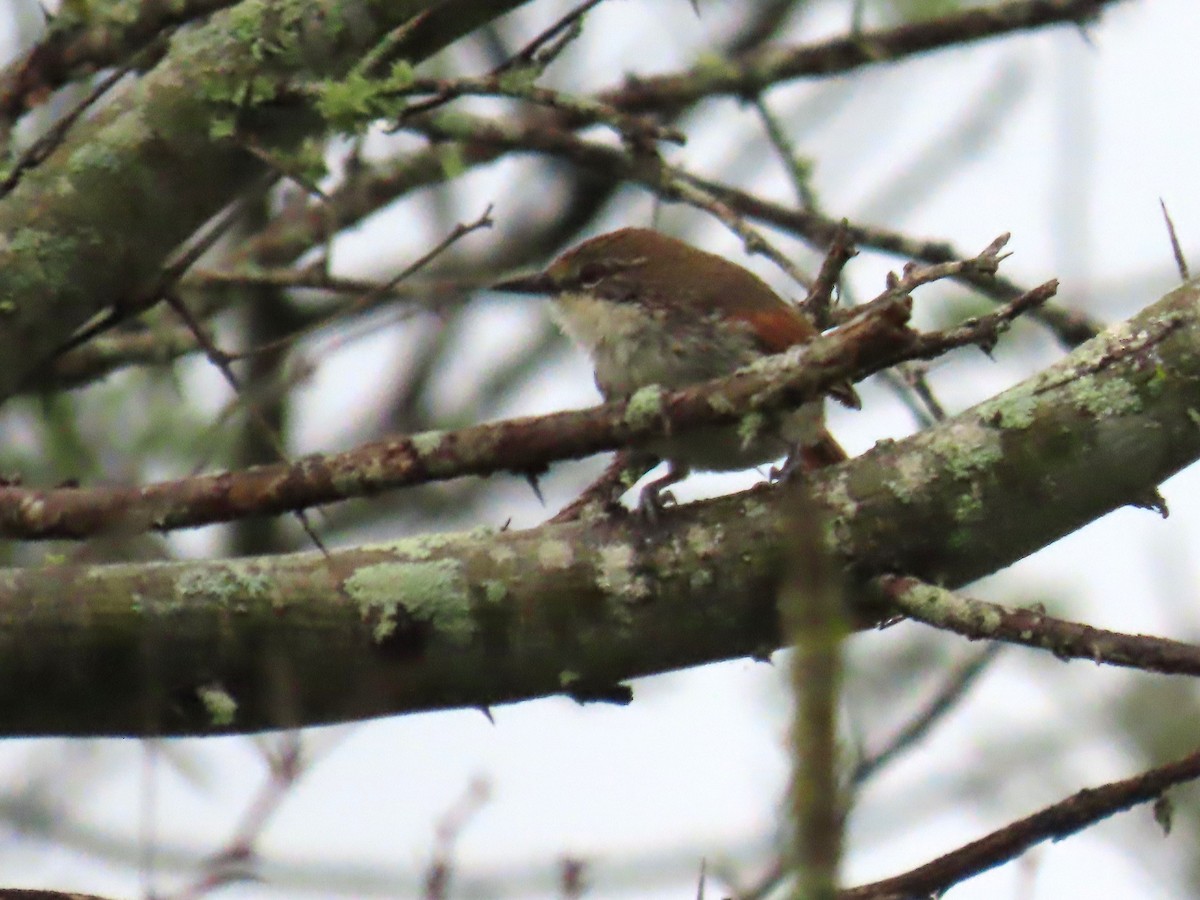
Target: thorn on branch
x: 1180, y: 261
x: 1153, y: 500
x: 616, y: 693
x: 535, y: 485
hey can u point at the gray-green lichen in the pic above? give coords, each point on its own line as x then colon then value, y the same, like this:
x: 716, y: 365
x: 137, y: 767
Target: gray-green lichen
x: 942, y: 607
x: 501, y: 553
x: 1107, y: 397
x: 839, y: 498
x: 555, y: 554
x: 428, y: 443
x: 967, y: 448
x: 645, y: 407
x: 1014, y: 410
x: 219, y: 704
x: 431, y: 592
x: 494, y: 591
x: 418, y: 547
x: 750, y: 428
x: 347, y: 479
x: 703, y: 541
x: 908, y: 477
x: 718, y: 402
x: 616, y: 574
x: 95, y: 157
x: 968, y: 506
x: 232, y: 584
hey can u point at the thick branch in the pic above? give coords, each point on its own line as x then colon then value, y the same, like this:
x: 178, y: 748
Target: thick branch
x: 479, y: 618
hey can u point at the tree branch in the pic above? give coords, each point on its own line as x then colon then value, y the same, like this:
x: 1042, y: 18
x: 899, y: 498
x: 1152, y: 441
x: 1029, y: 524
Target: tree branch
x: 980, y: 620
x: 480, y: 618
x: 875, y: 340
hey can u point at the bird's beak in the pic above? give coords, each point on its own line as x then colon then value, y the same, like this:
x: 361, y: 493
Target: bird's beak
x: 537, y: 283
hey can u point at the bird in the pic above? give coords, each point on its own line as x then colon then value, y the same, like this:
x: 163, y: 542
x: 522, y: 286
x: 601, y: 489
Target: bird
x: 650, y: 309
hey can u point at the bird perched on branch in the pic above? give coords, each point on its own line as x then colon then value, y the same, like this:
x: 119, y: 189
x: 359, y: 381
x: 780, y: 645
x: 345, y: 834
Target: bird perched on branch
x: 650, y: 309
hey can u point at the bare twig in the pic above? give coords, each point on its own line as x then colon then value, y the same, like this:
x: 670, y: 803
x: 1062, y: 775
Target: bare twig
x: 605, y: 492
x: 376, y: 292
x: 44, y: 146
x: 235, y: 861
x: 819, y: 302
x: 449, y: 829
x: 1055, y: 822
x: 954, y: 687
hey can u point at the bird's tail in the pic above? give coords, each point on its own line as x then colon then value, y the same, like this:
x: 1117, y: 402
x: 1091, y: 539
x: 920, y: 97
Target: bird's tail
x: 825, y: 451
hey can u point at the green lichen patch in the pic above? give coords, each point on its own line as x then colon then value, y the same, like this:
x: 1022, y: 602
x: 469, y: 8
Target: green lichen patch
x: 1013, y: 410
x: 645, y: 407
x: 418, y: 547
x: 231, y: 584
x: 219, y: 704
x: 428, y: 443
x: 703, y: 541
x: 555, y: 554
x: 1107, y: 397
x: 840, y: 498
x: 719, y: 402
x: 501, y: 553
x: 750, y: 428
x: 434, y: 593
x: 494, y: 590
x: 967, y: 448
x: 968, y: 506
x: 616, y: 572
x: 908, y: 477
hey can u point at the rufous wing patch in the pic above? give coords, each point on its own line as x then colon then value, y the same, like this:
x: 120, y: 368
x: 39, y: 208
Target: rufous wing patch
x: 777, y: 330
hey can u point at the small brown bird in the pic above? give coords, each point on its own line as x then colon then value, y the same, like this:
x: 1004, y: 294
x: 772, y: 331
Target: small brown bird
x: 650, y: 309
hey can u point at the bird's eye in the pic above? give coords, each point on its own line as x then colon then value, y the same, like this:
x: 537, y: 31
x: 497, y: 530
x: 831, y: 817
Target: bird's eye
x: 590, y: 274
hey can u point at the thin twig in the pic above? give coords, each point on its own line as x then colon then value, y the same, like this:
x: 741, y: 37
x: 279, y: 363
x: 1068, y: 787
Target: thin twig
x: 376, y: 291
x: 819, y: 302
x: 221, y: 361
x: 1067, y: 817
x: 954, y: 687
x: 44, y: 146
x: 605, y: 492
